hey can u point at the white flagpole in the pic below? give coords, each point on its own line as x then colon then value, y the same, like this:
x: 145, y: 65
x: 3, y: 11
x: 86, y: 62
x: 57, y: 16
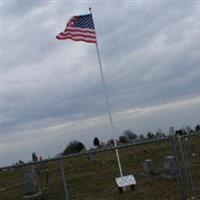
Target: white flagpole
x: 108, y: 104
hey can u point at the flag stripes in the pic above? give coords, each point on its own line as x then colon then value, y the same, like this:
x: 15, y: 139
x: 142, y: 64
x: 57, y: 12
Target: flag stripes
x: 79, y: 28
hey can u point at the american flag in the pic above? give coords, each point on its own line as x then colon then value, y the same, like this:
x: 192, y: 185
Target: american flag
x: 79, y: 28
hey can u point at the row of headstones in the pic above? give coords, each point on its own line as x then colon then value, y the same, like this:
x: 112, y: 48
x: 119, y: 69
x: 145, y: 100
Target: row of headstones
x: 169, y: 166
x: 150, y: 169
x: 32, y: 189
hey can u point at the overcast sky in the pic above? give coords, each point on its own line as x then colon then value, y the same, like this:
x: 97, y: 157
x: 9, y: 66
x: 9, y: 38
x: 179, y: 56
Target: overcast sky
x: 51, y: 90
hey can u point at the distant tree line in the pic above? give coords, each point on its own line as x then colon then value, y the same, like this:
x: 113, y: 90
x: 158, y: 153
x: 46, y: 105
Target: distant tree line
x: 128, y: 136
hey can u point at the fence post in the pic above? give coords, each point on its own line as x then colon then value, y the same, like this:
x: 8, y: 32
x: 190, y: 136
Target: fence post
x: 64, y: 180
x: 182, y: 154
x: 178, y: 166
x: 187, y: 167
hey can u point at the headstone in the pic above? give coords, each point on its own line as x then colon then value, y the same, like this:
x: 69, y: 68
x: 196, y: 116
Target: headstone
x: 194, y: 154
x: 2, y: 189
x: 170, y: 167
x: 149, y: 167
x: 31, y: 185
x: 92, y: 157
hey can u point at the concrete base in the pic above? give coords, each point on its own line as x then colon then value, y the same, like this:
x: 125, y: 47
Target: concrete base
x: 124, y: 189
x: 149, y: 175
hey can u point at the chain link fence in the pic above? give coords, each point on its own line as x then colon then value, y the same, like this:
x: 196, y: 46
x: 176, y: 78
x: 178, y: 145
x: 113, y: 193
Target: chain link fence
x: 91, y: 175
x: 190, y: 154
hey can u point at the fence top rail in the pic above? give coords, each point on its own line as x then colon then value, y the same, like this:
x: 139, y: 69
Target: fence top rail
x: 99, y: 150
x: 190, y: 135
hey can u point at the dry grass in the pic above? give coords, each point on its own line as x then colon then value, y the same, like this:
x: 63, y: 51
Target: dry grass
x: 95, y: 180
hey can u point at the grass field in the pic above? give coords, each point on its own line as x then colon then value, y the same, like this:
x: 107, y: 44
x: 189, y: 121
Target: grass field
x: 95, y: 180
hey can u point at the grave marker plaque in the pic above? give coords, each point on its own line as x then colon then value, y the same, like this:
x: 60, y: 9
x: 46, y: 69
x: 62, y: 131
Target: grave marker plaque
x: 124, y: 181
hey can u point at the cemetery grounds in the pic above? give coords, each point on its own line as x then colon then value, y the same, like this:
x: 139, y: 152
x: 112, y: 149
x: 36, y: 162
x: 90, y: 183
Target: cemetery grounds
x: 95, y: 179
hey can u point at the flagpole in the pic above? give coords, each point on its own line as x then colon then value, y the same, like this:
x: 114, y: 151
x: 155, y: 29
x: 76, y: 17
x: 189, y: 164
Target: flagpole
x: 107, y: 103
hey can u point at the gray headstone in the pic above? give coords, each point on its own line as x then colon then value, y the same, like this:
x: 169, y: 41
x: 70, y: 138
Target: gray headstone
x: 170, y: 166
x: 31, y: 185
x: 149, y: 167
x: 92, y: 157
